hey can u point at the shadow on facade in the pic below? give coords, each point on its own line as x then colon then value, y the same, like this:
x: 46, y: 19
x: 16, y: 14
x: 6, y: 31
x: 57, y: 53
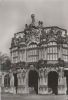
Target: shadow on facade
x: 6, y: 80
x: 66, y: 74
x: 33, y: 80
x: 15, y: 81
x: 53, y: 82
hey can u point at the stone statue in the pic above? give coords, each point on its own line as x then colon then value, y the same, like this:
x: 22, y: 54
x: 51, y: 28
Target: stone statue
x: 12, y: 80
x: 40, y: 24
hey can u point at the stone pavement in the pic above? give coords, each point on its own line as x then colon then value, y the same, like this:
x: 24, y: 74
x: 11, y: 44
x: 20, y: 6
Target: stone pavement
x: 33, y: 97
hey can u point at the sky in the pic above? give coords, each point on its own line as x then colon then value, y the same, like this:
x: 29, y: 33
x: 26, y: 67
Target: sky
x: 14, y: 14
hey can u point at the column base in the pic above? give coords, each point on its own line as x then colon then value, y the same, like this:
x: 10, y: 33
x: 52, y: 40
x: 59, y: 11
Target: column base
x: 43, y: 89
x: 22, y: 90
x: 61, y: 89
x: 12, y: 90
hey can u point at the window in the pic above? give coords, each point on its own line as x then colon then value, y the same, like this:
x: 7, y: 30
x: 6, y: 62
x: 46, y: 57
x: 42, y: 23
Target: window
x: 32, y: 53
x: 32, y: 45
x: 15, y: 60
x: 65, y: 54
x: 52, y: 51
x: 15, y: 54
x: 52, y: 43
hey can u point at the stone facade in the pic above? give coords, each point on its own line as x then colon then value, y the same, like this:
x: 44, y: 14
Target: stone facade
x: 39, y: 58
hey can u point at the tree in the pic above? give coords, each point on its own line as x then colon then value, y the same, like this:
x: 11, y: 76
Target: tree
x: 5, y: 62
x: 1, y: 57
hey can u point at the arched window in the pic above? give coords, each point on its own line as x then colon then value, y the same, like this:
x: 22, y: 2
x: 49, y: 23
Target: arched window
x: 15, y: 56
x: 32, y: 45
x: 32, y: 53
x: 52, y: 51
x: 65, y: 52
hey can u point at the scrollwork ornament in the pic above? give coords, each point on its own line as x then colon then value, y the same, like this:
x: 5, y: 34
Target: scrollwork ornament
x: 45, y: 73
x: 41, y: 73
x: 23, y: 73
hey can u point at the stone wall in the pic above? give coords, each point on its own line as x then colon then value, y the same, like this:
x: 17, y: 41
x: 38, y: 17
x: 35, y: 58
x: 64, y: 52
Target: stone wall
x: 23, y: 78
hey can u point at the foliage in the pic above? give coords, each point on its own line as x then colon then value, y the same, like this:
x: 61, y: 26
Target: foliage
x: 5, y: 62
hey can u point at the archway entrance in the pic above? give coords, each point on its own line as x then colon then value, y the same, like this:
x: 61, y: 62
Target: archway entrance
x: 15, y: 81
x: 6, y: 80
x: 53, y: 81
x: 66, y: 75
x: 33, y: 80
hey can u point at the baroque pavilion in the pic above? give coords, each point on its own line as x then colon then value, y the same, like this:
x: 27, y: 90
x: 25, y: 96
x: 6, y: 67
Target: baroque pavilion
x: 39, y: 57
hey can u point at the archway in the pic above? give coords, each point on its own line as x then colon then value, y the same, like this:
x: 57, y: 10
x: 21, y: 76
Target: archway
x: 15, y: 81
x: 66, y: 75
x: 53, y: 81
x: 33, y: 80
x: 6, y: 80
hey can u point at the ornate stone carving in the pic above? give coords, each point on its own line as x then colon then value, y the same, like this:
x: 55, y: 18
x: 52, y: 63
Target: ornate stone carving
x: 45, y: 72
x: 12, y: 80
x: 41, y: 36
x: 41, y: 73
x: 23, y: 73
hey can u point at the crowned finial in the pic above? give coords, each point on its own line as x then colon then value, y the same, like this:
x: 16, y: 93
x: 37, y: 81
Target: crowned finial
x: 33, y: 19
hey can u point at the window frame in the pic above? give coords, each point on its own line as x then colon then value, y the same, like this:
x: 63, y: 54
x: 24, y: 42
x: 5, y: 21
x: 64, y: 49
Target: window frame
x: 51, y: 54
x: 65, y: 52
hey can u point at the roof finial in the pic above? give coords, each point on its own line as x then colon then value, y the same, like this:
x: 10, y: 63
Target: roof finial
x: 33, y: 19
x: 40, y: 24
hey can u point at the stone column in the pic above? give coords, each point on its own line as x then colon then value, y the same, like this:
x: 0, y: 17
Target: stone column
x: 40, y: 81
x: 22, y: 81
x: 45, y: 82
x: 12, y: 88
x: 19, y: 82
x: 2, y: 79
x: 0, y: 82
x: 43, y: 89
x: 65, y: 85
x: 26, y: 82
x: 61, y: 82
x: 12, y: 80
x: 60, y: 51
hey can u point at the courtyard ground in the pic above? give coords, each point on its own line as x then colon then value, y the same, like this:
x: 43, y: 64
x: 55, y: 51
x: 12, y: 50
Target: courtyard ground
x: 33, y: 97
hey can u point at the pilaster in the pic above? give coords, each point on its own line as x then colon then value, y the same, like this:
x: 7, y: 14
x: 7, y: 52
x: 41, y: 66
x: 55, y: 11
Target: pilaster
x: 62, y: 82
x: 22, y: 82
x: 43, y: 88
x: 12, y: 87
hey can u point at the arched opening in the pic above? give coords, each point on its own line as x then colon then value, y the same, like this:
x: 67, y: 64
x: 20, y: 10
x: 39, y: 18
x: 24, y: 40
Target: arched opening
x: 53, y: 81
x: 67, y: 84
x: 33, y: 80
x: 66, y: 75
x: 15, y: 81
x: 6, y: 80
